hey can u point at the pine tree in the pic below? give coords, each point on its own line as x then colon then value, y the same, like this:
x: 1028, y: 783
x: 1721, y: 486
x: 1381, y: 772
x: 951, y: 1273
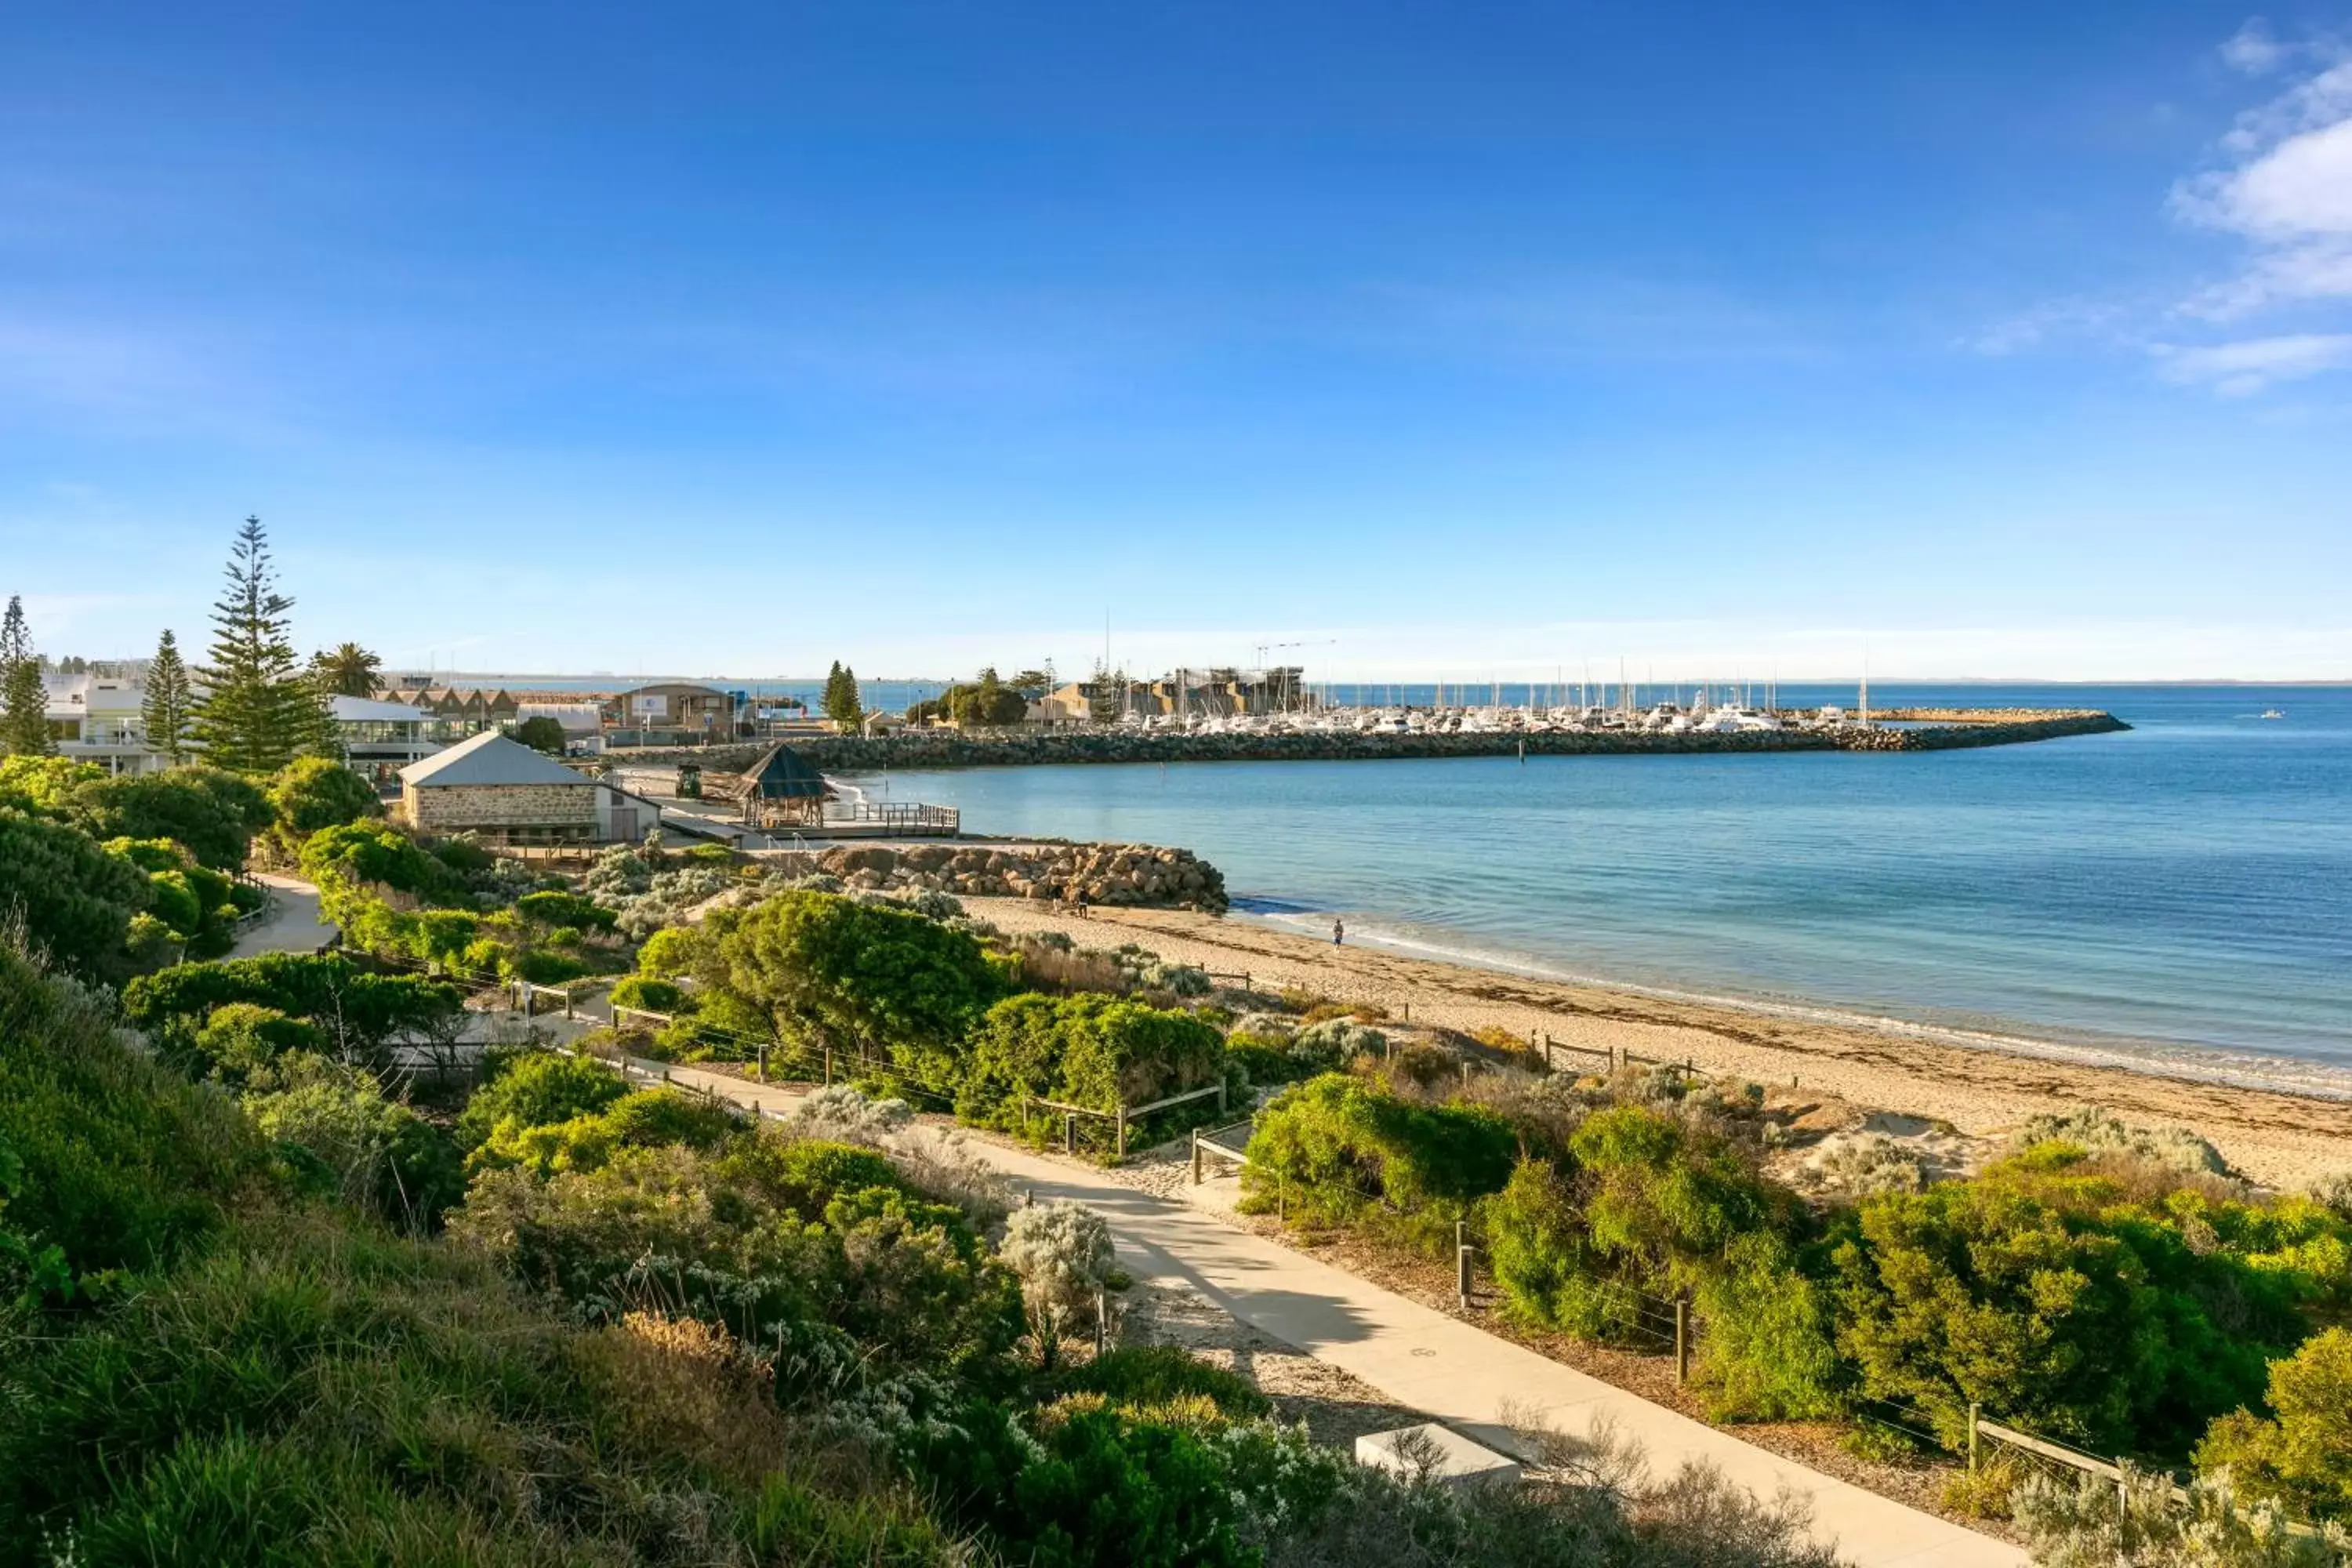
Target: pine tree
x: 165, y: 714
x: 24, y: 700
x: 261, y: 709
x: 843, y: 703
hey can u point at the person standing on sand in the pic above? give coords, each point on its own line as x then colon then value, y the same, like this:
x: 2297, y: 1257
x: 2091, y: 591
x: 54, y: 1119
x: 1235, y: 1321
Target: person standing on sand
x: 1338, y: 931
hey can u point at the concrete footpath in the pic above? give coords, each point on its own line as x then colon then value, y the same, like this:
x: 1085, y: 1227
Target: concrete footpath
x: 1458, y: 1373
x: 292, y: 924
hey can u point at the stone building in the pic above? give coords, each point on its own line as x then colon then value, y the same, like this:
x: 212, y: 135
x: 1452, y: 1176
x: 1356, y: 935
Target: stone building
x: 508, y: 793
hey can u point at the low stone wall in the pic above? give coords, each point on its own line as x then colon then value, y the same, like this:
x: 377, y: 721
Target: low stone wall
x: 952, y: 749
x: 1142, y: 876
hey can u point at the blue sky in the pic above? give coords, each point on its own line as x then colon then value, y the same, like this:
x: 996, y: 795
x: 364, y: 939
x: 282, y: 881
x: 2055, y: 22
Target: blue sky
x: 2002, y: 340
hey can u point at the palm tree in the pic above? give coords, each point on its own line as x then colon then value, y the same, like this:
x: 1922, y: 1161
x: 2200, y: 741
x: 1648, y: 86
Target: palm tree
x: 349, y: 671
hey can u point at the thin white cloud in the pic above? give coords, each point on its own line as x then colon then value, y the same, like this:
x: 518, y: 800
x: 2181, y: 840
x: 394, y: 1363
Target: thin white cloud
x: 2242, y: 369
x: 2285, y: 184
x: 2031, y: 329
x: 2254, y: 50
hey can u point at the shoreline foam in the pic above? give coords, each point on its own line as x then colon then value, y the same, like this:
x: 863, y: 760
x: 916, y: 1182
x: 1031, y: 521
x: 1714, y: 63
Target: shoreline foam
x: 2196, y: 1061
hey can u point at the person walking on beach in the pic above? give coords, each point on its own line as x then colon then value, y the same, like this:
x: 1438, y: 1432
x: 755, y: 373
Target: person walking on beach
x: 1338, y: 931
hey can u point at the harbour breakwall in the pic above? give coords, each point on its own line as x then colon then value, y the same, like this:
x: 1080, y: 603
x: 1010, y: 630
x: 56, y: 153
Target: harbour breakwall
x: 1941, y: 729
x: 1136, y: 876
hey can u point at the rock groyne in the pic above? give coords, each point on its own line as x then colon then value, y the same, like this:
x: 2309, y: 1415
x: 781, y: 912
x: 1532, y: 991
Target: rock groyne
x: 1138, y: 876
x: 922, y: 749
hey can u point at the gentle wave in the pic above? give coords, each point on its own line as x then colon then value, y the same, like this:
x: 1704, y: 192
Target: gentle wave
x: 2237, y: 1069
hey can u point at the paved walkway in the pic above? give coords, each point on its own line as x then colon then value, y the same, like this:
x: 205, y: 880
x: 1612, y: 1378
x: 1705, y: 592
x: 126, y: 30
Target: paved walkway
x: 1422, y: 1359
x: 292, y: 924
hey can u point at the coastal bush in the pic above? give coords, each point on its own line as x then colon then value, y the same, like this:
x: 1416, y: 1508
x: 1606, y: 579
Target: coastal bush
x: 553, y: 908
x: 115, y: 1159
x: 534, y: 1089
x: 1335, y: 1150
x: 1768, y: 1334
x: 1641, y: 1202
x: 1331, y: 1045
x: 314, y: 792
x: 361, y: 1014
x: 243, y: 1041
x: 2098, y: 1131
x: 885, y: 985
x: 641, y: 1120
x: 212, y: 813
x: 2095, y: 1333
x: 319, y: 1393
x: 73, y: 901
x: 1870, y: 1163
x: 1145, y: 1376
x: 1061, y: 1253
x: 649, y: 995
x: 2302, y: 1454
x: 2089, y: 1522
x: 670, y: 952
x: 375, y: 1155
x: 1090, y: 1050
x: 346, y: 859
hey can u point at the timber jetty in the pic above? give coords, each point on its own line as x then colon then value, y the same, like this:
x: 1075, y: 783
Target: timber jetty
x: 1899, y: 729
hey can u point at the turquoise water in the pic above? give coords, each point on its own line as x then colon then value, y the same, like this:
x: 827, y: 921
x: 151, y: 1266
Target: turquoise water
x: 2183, y: 892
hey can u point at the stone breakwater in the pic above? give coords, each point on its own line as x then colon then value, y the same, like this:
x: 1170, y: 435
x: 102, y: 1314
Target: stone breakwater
x: 1138, y: 876
x: 954, y: 749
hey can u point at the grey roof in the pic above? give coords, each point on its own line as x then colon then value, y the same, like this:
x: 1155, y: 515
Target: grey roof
x: 490, y: 757
x: 356, y: 709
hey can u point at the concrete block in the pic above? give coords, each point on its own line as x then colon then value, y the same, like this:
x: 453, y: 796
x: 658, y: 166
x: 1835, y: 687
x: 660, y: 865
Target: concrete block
x: 1443, y: 1454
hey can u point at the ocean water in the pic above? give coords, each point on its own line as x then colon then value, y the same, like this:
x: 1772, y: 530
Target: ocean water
x: 2176, y: 896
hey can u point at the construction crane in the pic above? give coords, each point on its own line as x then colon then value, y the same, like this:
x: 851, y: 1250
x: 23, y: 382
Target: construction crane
x: 1289, y: 695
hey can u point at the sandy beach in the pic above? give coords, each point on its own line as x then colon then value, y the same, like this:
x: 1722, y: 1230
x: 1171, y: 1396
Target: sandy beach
x: 2281, y: 1140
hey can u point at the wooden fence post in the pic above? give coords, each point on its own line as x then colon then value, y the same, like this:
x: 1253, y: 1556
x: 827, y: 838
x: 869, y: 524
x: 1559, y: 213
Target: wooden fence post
x: 1462, y: 1264
x: 1196, y: 1156
x: 1069, y: 1132
x: 1120, y: 1147
x: 763, y: 1064
x: 1102, y: 1321
x: 828, y: 1067
x: 1682, y: 1340
x: 1973, y: 1409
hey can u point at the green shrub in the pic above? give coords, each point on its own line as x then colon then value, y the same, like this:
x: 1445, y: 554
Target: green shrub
x: 2301, y: 1455
x: 213, y: 814
x: 1089, y: 1049
x: 361, y: 1012
x: 314, y: 792
x: 344, y: 859
x: 75, y: 901
x: 318, y: 1393
x: 118, y: 1160
x: 1336, y: 1149
x: 380, y: 1157
x: 640, y: 1121
x: 555, y: 908
x: 671, y: 951
x: 241, y: 1040
x: 650, y: 995
x: 536, y: 1088
x: 2052, y: 1320
x: 1768, y: 1335
x: 885, y: 983
x: 1139, y: 1376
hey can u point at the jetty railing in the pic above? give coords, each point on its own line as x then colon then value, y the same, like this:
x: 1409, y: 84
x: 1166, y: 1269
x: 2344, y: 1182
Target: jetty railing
x: 898, y: 817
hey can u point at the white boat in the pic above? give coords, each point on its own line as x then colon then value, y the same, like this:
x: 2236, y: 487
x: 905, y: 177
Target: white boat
x: 2271, y: 713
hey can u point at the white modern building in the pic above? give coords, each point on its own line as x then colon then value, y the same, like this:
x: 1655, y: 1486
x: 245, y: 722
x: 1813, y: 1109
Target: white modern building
x: 379, y: 739
x: 96, y: 719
